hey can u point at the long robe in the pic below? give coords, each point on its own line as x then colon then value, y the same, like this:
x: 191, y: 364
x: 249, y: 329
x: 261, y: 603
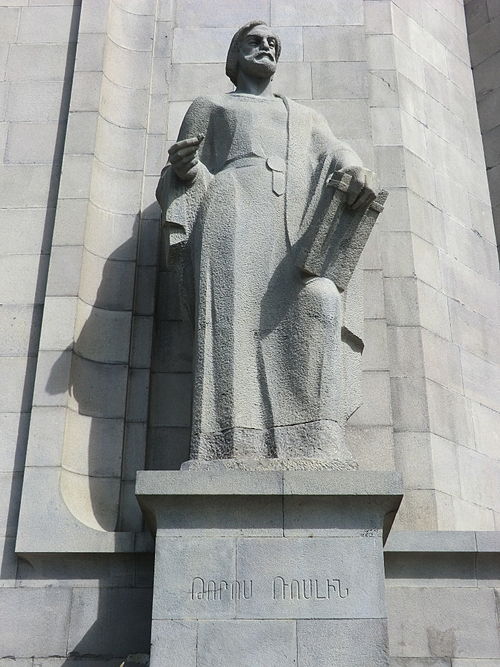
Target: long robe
x: 268, y: 367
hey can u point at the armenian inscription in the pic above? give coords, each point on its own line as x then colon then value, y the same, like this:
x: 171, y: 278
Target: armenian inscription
x: 280, y: 588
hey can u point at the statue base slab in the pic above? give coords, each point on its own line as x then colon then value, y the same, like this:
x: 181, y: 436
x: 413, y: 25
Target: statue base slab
x: 303, y: 463
x: 269, y: 567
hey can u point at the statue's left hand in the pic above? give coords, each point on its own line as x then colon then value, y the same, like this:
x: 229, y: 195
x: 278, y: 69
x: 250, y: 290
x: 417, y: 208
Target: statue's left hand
x: 362, y: 187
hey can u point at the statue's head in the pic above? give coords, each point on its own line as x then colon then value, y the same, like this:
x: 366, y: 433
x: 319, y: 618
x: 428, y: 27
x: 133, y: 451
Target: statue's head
x: 255, y: 48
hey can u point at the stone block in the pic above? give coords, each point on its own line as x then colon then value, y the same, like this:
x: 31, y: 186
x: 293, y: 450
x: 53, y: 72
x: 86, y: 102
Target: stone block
x: 426, y: 220
x: 181, y: 648
x: 42, y: 613
x: 433, y: 314
x: 413, y: 459
x: 47, y: 24
x: 8, y: 563
x: 390, y: 167
x: 429, y: 570
x: 188, y: 43
x: 347, y: 118
x: 142, y: 335
x: 52, y: 378
x: 379, y: 454
x: 383, y: 87
x: 448, y: 414
x: 334, y: 43
x: 486, y: 106
x: 105, y: 193
x: 81, y: 132
x: 9, y: 20
x: 375, y: 408
x: 397, y: 254
x: 414, y: 134
x: 138, y: 394
x: 377, y: 17
x: 344, y: 642
x: 13, y: 437
x: 430, y: 622
x: 85, y: 93
x: 374, y: 307
x: 90, y: 54
x: 486, y: 429
x: 69, y: 228
x: 292, y: 44
x: 75, y: 176
x: 442, y: 361
x: 343, y: 12
x: 475, y: 252
x: 134, y: 447
x: 214, y: 559
x: 409, y: 403
x: 94, y: 446
x: 170, y: 399
x: 110, y: 621
x: 271, y: 563
x: 18, y: 374
x: 120, y: 147
x: 59, y: 323
x: 168, y: 448
x: 127, y: 68
x: 470, y: 516
x: 447, y: 477
x: 46, y: 436
x: 406, y: 351
x: 190, y: 14
x: 340, y: 80
x: 98, y: 389
x: 20, y: 326
x: 36, y: 62
x: 36, y: 101
x: 473, y: 332
x: 64, y: 271
x: 375, y: 353
x: 481, y: 381
x: 26, y: 186
x: 188, y: 81
x: 467, y: 287
x: 123, y: 106
x: 294, y: 80
x: 420, y: 177
x: 408, y: 63
x: 102, y: 335
x: 479, y: 478
x: 380, y: 50
x: 418, y: 511
x: 107, y: 284
x: 482, y: 45
x: 131, y: 30
x: 401, y: 301
x: 460, y: 74
x: 246, y: 643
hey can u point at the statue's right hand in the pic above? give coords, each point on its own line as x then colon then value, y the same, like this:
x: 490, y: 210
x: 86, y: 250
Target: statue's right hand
x: 183, y: 157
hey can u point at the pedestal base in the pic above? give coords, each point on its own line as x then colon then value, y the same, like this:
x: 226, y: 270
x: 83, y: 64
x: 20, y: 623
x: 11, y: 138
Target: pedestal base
x: 268, y: 568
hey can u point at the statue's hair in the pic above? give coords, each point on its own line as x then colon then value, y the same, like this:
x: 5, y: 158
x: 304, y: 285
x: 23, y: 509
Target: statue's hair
x: 233, y: 52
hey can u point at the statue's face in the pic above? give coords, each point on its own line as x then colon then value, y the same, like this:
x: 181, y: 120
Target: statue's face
x: 257, y: 52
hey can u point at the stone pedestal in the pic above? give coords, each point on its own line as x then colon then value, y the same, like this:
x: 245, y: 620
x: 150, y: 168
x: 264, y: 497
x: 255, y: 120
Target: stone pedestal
x: 269, y: 568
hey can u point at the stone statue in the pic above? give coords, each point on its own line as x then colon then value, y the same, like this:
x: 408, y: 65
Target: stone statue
x: 246, y: 182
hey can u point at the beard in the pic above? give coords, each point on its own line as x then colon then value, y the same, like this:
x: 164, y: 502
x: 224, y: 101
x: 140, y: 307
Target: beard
x: 261, y: 66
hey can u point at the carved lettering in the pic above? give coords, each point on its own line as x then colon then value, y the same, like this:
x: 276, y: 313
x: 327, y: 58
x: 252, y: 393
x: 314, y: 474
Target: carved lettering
x: 216, y: 591
x: 308, y: 589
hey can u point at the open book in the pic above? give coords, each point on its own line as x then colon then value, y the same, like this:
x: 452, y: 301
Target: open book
x: 332, y: 245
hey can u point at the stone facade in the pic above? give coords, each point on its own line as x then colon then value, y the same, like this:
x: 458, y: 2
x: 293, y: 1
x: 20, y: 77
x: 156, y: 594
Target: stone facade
x: 91, y: 96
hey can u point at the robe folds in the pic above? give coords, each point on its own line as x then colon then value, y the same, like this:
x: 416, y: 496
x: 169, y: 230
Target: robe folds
x: 269, y: 342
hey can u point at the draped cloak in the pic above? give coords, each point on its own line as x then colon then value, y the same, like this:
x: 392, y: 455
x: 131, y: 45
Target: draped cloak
x: 269, y: 362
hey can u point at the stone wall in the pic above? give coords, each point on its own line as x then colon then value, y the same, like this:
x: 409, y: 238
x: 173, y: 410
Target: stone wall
x: 89, y: 101
x: 483, y: 27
